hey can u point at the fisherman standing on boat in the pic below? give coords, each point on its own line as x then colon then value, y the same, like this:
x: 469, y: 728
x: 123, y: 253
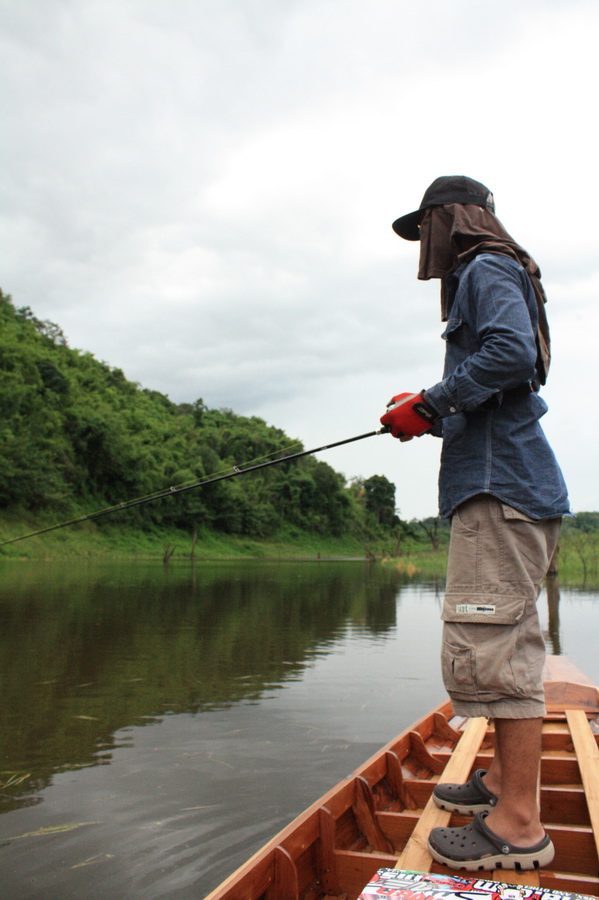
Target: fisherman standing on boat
x: 503, y: 490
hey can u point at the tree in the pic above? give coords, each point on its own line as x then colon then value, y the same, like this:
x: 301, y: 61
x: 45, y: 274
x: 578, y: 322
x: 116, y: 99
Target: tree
x: 435, y: 528
x: 380, y: 499
x: 76, y: 435
x: 430, y: 527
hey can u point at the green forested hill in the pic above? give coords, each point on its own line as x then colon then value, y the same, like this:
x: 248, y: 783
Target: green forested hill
x: 76, y: 436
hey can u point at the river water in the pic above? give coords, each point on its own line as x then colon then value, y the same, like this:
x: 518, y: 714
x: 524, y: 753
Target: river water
x: 160, y: 723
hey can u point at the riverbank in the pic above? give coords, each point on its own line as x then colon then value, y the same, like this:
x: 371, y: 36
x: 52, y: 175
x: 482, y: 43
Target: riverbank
x: 578, y: 558
x: 114, y: 541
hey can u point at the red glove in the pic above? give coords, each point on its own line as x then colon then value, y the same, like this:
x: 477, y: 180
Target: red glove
x: 409, y: 415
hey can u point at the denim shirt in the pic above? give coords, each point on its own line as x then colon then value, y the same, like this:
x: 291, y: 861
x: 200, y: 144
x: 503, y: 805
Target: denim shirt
x: 492, y: 440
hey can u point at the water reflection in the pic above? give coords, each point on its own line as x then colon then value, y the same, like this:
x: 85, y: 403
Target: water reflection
x: 158, y: 711
x: 553, y: 632
x: 88, y: 650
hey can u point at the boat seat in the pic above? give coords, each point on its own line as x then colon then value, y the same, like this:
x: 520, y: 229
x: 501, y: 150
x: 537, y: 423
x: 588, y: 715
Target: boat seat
x: 415, y: 855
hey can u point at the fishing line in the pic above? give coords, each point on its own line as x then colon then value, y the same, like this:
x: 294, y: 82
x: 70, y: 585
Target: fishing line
x: 171, y: 491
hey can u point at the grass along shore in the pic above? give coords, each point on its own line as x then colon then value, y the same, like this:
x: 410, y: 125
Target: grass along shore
x: 111, y: 540
x: 578, y: 558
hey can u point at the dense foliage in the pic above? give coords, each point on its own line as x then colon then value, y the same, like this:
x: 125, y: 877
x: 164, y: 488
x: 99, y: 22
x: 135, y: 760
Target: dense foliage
x: 77, y: 436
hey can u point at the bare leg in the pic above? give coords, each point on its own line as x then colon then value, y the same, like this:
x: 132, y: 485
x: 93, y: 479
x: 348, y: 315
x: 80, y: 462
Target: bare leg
x: 513, y: 776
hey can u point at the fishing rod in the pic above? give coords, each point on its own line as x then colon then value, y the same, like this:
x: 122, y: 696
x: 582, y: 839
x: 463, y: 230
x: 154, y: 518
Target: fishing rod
x: 171, y: 491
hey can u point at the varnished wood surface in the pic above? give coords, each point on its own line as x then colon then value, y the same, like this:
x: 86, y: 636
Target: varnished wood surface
x: 382, y: 814
x: 587, y: 754
x: 415, y: 855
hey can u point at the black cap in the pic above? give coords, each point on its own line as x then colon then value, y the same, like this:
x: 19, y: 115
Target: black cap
x: 446, y: 189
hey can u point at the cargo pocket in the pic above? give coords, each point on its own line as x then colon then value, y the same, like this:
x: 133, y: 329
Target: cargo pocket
x: 480, y: 641
x: 479, y: 662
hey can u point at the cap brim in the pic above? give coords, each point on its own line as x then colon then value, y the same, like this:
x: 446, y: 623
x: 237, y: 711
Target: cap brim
x: 407, y: 226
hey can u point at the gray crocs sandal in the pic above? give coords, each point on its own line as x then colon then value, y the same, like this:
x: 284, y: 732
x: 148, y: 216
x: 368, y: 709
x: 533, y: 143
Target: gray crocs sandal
x: 475, y: 846
x: 466, y: 799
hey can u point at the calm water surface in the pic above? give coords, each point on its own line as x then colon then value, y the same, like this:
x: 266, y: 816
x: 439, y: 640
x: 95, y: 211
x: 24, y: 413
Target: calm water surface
x: 159, y: 724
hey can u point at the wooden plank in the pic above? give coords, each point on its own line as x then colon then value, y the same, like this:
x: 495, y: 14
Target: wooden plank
x: 567, y: 687
x: 575, y: 850
x: 566, y: 805
x: 421, y: 790
x: 415, y: 855
x: 560, y: 882
x: 587, y: 754
x: 560, y: 668
x: 398, y: 826
x: 569, y: 695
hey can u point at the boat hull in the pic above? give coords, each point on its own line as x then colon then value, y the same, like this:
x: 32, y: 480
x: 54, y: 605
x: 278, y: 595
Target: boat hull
x: 380, y: 816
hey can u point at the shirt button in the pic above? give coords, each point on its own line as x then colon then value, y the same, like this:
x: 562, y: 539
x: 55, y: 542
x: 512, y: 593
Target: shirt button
x: 452, y: 409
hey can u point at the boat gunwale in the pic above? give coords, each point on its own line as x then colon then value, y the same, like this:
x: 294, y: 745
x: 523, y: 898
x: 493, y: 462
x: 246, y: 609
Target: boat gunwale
x: 303, y: 833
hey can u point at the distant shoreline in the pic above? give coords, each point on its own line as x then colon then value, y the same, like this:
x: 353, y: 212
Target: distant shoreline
x: 578, y: 557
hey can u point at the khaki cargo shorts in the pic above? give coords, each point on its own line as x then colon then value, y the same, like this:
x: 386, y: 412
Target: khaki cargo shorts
x: 493, y: 651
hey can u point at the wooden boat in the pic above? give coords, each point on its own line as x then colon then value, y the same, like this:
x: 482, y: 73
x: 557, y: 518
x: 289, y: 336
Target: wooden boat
x: 381, y: 815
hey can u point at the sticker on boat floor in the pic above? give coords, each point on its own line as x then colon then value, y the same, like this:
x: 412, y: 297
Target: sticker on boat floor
x: 395, y: 884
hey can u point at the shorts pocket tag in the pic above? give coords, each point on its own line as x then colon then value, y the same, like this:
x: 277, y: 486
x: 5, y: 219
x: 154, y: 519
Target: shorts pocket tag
x: 485, y: 608
x: 466, y: 609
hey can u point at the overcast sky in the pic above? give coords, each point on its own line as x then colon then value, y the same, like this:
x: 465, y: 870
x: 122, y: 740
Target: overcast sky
x: 200, y: 192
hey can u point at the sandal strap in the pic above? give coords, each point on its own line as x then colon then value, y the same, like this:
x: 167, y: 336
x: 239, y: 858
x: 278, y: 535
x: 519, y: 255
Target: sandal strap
x: 481, y: 826
x: 477, y: 781
x: 499, y: 843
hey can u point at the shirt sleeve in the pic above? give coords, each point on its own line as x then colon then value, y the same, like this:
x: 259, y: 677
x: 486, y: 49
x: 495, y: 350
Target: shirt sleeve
x: 497, y: 334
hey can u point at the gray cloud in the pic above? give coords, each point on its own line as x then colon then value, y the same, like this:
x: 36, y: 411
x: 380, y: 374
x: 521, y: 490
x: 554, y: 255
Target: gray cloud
x: 201, y: 194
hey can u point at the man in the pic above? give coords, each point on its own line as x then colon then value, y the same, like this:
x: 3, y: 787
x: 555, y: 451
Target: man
x: 504, y: 492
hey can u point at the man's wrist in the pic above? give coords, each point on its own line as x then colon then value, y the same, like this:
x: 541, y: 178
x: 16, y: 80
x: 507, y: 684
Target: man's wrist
x: 440, y: 400
x: 425, y: 409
